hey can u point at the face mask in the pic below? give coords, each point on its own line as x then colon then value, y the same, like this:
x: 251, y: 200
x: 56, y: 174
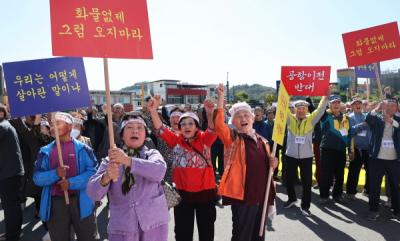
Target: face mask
x: 75, y: 133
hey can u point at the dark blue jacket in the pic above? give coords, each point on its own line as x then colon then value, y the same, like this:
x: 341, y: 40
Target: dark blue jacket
x: 377, y: 126
x: 262, y: 129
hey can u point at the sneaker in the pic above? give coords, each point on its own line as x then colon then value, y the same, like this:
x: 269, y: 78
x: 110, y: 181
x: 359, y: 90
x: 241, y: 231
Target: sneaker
x: 315, y: 187
x: 289, y: 204
x: 323, y: 201
x: 373, y: 216
x: 306, y: 212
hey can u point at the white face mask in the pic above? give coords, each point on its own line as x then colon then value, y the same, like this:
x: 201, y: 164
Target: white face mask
x: 75, y: 133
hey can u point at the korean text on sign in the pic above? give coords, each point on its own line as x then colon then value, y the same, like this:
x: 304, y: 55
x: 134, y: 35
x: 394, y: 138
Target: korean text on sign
x: 372, y: 45
x: 46, y: 85
x: 101, y: 28
x: 306, y: 80
x: 281, y: 115
x: 366, y: 71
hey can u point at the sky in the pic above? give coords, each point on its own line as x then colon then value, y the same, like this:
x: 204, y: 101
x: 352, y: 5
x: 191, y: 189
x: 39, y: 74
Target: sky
x: 199, y: 41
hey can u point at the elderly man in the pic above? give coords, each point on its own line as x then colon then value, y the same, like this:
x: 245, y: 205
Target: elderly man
x: 11, y: 174
x: 72, y: 177
x: 299, y: 151
x: 384, y: 155
x: 335, y: 139
x: 362, y: 136
x: 118, y: 114
x: 259, y: 124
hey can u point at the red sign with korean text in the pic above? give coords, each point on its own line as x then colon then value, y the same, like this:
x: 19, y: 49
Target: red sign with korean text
x: 100, y: 28
x: 372, y: 45
x: 306, y: 80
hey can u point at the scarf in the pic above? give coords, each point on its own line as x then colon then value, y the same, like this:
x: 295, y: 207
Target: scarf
x: 128, y: 180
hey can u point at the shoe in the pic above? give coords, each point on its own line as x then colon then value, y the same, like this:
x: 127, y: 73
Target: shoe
x: 219, y: 204
x: 289, y: 204
x: 388, y: 203
x: 373, y: 216
x: 395, y: 216
x: 365, y: 193
x: 46, y: 237
x: 323, y: 201
x: 306, y: 212
x: 315, y: 187
x: 351, y: 197
x: 3, y: 236
x: 339, y: 199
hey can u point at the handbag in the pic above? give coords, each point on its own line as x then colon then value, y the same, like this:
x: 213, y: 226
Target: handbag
x: 171, y: 195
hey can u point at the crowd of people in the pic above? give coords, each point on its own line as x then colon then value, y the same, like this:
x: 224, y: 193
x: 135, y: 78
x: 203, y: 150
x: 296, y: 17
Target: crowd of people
x: 219, y: 155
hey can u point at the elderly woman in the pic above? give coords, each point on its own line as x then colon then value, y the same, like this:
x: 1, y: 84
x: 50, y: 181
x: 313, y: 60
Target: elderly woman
x: 77, y: 129
x: 248, y: 161
x: 192, y: 172
x: 138, y: 208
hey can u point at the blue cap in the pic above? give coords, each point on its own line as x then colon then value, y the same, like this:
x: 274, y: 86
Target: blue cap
x: 333, y: 98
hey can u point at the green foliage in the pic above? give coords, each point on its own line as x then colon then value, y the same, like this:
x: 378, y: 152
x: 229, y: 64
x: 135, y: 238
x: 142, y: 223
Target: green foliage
x: 241, y: 96
x: 270, y: 98
x: 255, y: 91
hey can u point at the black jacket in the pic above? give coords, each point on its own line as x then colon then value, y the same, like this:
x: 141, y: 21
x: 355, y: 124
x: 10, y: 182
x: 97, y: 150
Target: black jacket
x: 377, y: 126
x: 10, y: 152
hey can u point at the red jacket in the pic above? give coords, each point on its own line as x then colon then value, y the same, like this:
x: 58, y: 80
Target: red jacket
x: 192, y: 172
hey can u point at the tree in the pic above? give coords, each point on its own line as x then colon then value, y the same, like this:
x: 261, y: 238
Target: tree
x: 270, y: 98
x: 241, y: 96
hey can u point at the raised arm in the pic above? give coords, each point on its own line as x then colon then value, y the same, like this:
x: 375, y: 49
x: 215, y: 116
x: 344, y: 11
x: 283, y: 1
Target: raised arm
x: 209, y: 106
x: 221, y: 128
x: 152, y: 107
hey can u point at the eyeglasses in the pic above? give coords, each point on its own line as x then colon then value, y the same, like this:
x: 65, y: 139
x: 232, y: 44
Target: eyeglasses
x: 189, y: 123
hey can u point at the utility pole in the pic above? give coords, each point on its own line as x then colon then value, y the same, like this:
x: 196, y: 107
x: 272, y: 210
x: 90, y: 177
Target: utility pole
x: 142, y: 94
x: 1, y: 84
x: 227, y: 87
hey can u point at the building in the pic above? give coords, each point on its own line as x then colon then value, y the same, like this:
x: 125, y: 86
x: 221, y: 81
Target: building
x: 171, y: 91
x: 98, y: 98
x: 174, y: 91
x: 346, y: 79
x: 388, y: 78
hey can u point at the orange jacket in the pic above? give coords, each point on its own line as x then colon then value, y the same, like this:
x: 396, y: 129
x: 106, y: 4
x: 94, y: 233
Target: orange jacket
x: 233, y: 180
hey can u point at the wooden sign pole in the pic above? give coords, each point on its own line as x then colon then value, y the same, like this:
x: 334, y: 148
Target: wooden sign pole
x: 59, y: 151
x: 108, y: 108
x: 378, y: 81
x: 264, y: 212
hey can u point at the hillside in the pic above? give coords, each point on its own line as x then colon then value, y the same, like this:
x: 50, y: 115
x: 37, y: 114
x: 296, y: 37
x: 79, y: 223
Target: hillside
x: 255, y: 91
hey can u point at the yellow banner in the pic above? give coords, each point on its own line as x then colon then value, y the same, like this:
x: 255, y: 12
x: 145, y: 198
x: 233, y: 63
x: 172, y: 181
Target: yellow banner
x: 278, y: 133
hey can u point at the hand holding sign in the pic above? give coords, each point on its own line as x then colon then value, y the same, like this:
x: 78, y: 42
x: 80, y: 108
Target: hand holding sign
x: 306, y: 80
x: 62, y: 171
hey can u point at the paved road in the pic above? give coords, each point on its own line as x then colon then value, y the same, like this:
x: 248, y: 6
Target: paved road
x: 330, y: 222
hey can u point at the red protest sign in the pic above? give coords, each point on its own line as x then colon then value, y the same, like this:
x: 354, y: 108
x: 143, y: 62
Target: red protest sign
x: 372, y: 45
x: 101, y: 28
x: 306, y: 80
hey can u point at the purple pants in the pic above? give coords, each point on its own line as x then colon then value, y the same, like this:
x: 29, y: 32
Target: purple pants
x: 157, y: 234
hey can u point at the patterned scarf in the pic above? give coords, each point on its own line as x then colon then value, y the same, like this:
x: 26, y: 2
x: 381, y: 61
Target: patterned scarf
x: 128, y: 180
